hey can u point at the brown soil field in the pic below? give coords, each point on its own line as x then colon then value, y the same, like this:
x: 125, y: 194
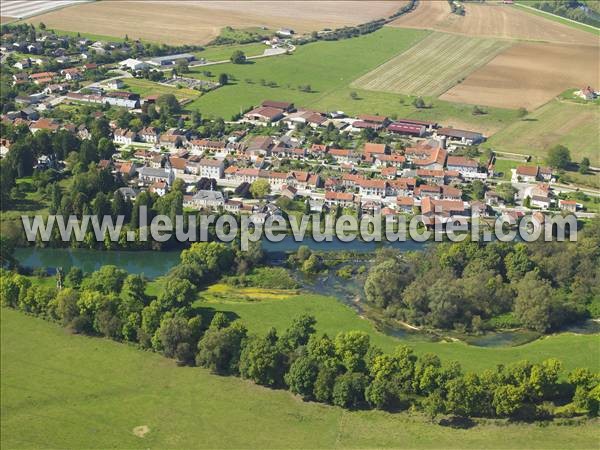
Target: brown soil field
x: 529, y: 75
x: 493, y: 20
x: 197, y: 22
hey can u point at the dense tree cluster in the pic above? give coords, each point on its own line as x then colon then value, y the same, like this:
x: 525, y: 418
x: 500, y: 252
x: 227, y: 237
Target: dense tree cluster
x: 579, y: 10
x: 111, y: 303
x: 541, y: 285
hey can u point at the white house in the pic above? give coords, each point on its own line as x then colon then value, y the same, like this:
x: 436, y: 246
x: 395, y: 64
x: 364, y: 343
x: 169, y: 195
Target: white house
x: 148, y: 135
x: 152, y: 175
x: 211, y: 168
x: 464, y: 166
x: 124, y: 136
x: 207, y: 199
x: 115, y: 84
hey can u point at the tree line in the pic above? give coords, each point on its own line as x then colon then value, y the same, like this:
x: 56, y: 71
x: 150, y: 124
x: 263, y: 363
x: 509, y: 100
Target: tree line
x: 473, y: 286
x: 347, y: 371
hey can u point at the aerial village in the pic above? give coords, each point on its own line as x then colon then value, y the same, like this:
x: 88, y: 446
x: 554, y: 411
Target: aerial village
x: 386, y: 165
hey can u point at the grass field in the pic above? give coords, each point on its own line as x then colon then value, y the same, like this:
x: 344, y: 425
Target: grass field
x: 223, y: 52
x: 64, y: 391
x: 432, y: 66
x: 146, y: 87
x: 333, y: 317
x: 90, y: 36
x: 568, y: 123
x: 325, y: 66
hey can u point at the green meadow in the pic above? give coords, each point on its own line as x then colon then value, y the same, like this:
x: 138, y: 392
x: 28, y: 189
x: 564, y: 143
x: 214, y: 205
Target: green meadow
x: 572, y: 124
x: 65, y: 391
x: 223, y: 52
x: 262, y: 309
x: 325, y: 66
x: 145, y: 87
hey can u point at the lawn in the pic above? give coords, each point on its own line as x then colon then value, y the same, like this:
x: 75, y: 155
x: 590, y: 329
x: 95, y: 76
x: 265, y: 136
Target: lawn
x: 64, y: 391
x: 505, y: 166
x: 558, y: 122
x: 146, y: 87
x: 325, y: 66
x: 433, y: 66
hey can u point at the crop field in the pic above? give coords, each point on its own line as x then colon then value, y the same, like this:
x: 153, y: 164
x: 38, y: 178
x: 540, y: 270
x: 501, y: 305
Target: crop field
x: 198, y: 22
x: 529, y: 75
x: 65, y: 391
x: 493, y: 20
x: 432, y: 66
x: 571, y: 124
x: 21, y: 9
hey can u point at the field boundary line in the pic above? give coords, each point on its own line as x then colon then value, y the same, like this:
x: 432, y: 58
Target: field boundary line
x: 596, y: 29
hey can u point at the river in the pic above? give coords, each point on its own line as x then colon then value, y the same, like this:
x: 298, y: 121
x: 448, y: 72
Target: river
x: 155, y: 263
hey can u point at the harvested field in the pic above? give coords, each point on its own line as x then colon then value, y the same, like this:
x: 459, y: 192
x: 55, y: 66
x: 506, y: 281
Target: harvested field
x: 529, y: 75
x: 21, y: 9
x: 493, y: 20
x: 195, y: 22
x: 432, y: 66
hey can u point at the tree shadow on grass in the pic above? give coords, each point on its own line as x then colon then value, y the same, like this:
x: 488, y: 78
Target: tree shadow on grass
x: 28, y: 205
x: 462, y: 423
x: 207, y: 313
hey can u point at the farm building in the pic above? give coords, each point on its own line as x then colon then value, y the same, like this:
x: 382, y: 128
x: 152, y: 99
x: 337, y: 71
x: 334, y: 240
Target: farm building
x: 169, y: 60
x: 406, y: 128
x: 288, y: 107
x: 427, y: 124
x: 264, y: 114
x: 461, y: 137
x: 133, y: 64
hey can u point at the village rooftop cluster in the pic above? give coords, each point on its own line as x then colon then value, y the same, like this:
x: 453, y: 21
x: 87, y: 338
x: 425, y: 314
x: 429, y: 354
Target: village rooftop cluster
x: 389, y: 165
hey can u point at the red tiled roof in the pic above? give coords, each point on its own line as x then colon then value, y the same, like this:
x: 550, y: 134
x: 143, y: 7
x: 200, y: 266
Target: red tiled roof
x: 371, y: 147
x: 528, y: 171
x: 461, y: 161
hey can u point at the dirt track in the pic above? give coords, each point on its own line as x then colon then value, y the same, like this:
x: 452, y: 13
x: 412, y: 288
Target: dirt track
x: 178, y: 22
x: 493, y: 20
x: 529, y: 75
